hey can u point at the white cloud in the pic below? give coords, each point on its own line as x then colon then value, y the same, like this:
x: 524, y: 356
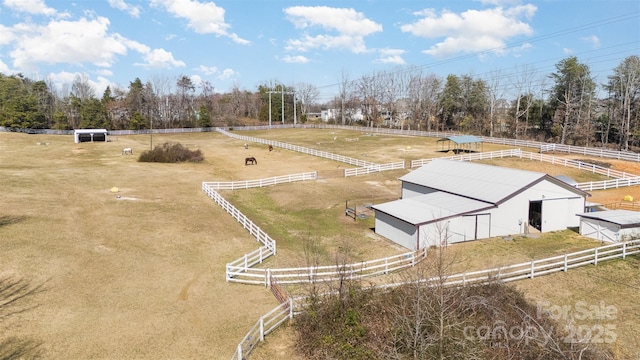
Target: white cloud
x: 64, y: 78
x: 227, y: 73
x: 347, y: 28
x: 298, y: 59
x: 208, y: 70
x: 472, y: 30
x: 70, y: 42
x: 593, y: 40
x: 196, y: 80
x: 36, y: 7
x: 4, y: 68
x: 160, y: 59
x: 390, y: 56
x: 6, y: 35
x: 129, y: 9
x: 202, y: 17
x: 567, y: 51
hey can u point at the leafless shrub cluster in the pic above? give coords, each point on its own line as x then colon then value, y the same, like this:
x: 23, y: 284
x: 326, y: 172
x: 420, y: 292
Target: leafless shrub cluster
x: 171, y: 153
x: 430, y: 320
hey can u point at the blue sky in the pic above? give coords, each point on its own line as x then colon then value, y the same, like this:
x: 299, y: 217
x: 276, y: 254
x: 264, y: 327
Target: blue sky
x: 245, y: 43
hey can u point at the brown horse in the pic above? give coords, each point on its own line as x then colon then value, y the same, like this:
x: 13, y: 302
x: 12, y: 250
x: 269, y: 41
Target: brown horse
x: 270, y: 148
x: 250, y: 161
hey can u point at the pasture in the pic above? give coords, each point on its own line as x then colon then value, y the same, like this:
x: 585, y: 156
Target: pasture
x: 139, y: 273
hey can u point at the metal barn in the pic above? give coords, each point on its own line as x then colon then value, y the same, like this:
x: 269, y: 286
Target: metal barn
x: 447, y: 201
x: 610, y: 225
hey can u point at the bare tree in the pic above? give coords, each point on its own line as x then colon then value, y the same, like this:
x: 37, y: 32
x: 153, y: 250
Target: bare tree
x: 308, y: 95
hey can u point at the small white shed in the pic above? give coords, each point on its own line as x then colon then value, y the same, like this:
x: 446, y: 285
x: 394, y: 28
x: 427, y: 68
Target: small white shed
x: 89, y: 135
x: 610, y: 225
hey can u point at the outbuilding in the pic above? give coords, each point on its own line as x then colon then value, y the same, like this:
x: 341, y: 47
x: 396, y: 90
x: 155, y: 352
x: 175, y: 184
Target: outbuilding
x: 90, y: 135
x: 448, y: 201
x: 610, y: 225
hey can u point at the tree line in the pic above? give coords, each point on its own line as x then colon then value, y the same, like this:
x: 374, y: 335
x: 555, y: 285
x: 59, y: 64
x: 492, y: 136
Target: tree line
x: 566, y: 106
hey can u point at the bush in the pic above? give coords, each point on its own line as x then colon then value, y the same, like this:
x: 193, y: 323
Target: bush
x: 171, y: 153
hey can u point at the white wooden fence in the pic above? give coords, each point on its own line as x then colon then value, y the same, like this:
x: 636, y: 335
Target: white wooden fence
x: 260, y: 235
x: 621, y: 178
x: 527, y: 270
x: 301, y: 149
x: 246, y: 184
x: 300, y: 275
x: 373, y: 169
x: 544, y: 147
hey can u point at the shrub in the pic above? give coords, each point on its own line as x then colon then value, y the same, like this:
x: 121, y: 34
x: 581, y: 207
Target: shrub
x: 171, y: 153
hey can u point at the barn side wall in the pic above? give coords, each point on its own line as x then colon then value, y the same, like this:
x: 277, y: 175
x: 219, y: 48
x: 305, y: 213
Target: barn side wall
x: 396, y: 230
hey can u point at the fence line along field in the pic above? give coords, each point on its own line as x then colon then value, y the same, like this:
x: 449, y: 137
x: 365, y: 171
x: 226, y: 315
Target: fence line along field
x: 133, y: 254
x: 137, y: 273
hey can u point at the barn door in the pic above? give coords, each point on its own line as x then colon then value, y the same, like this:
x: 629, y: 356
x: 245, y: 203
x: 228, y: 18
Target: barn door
x: 535, y: 214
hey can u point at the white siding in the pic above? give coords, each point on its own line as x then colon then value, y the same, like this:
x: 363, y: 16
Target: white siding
x: 410, y: 190
x: 398, y: 231
x: 599, y: 230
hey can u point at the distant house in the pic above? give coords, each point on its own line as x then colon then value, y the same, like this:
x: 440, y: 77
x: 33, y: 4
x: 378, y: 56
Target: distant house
x: 447, y: 201
x: 610, y: 225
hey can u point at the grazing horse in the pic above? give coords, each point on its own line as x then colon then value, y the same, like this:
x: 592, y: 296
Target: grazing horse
x: 270, y: 148
x: 127, y: 151
x: 250, y: 160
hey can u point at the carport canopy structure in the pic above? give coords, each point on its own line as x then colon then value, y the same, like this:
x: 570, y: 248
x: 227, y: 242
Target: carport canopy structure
x: 89, y: 135
x: 460, y: 143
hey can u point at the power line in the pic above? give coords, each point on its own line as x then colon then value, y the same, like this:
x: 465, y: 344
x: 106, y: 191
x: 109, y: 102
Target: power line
x: 615, y: 19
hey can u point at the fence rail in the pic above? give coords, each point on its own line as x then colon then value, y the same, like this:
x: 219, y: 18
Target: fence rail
x: 621, y: 178
x: 253, y: 229
x: 373, y: 169
x: 527, y: 270
x: 238, y: 272
x: 246, y: 184
x: 301, y: 149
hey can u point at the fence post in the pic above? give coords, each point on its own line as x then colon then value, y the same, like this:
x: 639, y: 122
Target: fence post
x: 261, y: 328
x: 290, y: 308
x: 624, y: 250
x: 246, y: 263
x: 532, y: 268
x: 239, y: 351
x: 260, y: 248
x: 595, y: 257
x: 565, y: 262
x: 267, y: 280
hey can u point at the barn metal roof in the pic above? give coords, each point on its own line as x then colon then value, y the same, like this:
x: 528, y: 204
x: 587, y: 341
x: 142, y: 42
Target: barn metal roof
x: 476, y: 181
x: 462, y: 139
x: 430, y: 207
x: 624, y: 218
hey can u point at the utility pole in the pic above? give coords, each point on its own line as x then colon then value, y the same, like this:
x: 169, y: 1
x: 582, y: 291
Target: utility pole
x: 282, y: 92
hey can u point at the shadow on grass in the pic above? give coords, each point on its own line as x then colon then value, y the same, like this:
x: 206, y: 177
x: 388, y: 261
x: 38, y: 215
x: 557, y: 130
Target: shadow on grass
x: 17, y: 348
x: 10, y: 220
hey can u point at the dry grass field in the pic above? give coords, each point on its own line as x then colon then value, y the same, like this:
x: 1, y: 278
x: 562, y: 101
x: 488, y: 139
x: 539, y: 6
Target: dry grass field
x: 139, y: 273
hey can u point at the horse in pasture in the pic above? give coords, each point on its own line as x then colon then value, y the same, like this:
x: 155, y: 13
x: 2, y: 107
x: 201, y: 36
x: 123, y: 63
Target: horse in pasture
x: 250, y: 161
x: 127, y: 151
x: 270, y: 148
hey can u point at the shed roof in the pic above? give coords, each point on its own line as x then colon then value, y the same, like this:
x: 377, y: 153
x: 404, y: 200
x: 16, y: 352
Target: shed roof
x: 624, y: 218
x: 462, y: 139
x: 89, y: 131
x: 430, y: 207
